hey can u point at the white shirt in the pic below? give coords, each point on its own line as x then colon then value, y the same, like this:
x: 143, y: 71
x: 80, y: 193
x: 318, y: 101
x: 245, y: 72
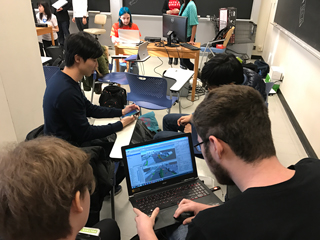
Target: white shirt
x: 52, y: 22
x: 80, y: 8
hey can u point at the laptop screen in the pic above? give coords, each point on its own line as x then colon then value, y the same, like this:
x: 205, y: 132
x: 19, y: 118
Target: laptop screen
x: 159, y: 162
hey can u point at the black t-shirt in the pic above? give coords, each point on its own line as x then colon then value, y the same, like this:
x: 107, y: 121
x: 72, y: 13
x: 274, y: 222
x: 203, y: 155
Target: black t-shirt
x: 288, y: 210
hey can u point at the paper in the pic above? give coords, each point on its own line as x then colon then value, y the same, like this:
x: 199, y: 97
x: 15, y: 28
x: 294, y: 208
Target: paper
x: 59, y: 4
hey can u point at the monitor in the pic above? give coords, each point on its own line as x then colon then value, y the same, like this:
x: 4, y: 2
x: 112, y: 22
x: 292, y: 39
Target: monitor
x: 174, y: 27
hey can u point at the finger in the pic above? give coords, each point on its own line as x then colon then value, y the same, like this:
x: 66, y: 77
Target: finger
x: 184, y: 201
x: 187, y: 220
x: 137, y: 211
x: 155, y: 213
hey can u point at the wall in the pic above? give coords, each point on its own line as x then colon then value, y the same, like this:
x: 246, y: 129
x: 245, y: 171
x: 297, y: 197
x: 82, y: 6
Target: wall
x: 301, y: 77
x: 22, y: 81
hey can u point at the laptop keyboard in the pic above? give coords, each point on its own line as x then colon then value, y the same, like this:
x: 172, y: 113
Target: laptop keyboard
x: 171, y: 197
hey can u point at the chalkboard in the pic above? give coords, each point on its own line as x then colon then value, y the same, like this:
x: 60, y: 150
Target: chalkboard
x: 205, y: 7
x: 301, y: 18
x: 93, y: 5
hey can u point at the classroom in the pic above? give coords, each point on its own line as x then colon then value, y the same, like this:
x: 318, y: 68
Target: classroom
x: 293, y: 110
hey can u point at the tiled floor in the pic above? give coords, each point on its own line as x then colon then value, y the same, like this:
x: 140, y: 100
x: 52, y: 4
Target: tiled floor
x: 288, y: 147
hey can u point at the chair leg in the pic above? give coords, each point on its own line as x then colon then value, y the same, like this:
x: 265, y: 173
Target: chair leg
x: 92, y: 90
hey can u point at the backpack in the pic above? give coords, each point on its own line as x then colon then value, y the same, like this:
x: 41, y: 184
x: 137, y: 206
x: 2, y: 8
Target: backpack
x: 113, y: 96
x: 263, y: 67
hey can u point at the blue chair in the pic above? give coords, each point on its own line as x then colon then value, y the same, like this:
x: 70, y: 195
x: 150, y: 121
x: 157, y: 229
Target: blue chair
x: 49, y: 71
x: 208, y: 48
x: 149, y: 92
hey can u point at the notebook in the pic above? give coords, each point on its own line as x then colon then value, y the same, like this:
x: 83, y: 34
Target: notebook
x: 127, y: 36
x: 142, y: 55
x: 160, y: 173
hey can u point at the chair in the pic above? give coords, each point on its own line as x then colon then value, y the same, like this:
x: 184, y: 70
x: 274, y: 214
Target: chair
x: 100, y: 19
x: 208, y: 48
x: 269, y: 85
x: 49, y: 71
x: 56, y: 53
x: 149, y: 92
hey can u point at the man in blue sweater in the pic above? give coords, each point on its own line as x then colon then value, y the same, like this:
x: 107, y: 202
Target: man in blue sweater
x: 66, y: 108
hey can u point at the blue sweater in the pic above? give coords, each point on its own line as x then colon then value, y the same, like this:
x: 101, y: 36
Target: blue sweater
x: 66, y: 109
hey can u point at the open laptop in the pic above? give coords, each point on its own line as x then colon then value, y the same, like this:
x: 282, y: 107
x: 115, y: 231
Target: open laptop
x: 129, y: 37
x: 160, y: 173
x: 142, y: 55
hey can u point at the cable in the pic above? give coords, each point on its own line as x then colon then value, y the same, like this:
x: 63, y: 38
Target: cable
x: 158, y: 66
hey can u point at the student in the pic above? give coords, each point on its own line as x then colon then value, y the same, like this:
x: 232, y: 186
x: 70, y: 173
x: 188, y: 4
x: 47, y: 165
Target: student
x: 80, y: 14
x: 63, y: 22
x: 222, y: 69
x: 45, y: 16
x: 172, y: 7
x: 124, y: 22
x: 235, y: 138
x: 45, y: 192
x: 189, y: 9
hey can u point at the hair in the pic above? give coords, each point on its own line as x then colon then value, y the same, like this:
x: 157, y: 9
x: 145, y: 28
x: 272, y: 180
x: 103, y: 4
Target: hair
x: 186, y: 2
x: 46, y: 9
x: 122, y: 11
x: 238, y: 116
x: 38, y: 181
x: 82, y: 44
x: 222, y: 69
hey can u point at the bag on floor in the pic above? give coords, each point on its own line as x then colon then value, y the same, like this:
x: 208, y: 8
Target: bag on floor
x: 263, y: 67
x: 113, y: 96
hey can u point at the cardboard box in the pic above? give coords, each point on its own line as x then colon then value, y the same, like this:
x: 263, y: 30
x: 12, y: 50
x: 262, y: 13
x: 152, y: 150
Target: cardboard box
x: 276, y: 73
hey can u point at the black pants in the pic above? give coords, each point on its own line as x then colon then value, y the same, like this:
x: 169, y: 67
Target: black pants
x: 186, y: 61
x: 63, y: 31
x: 109, y: 229
x: 80, y: 25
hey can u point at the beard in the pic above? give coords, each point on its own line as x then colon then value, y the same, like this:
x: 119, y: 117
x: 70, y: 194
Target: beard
x: 222, y: 175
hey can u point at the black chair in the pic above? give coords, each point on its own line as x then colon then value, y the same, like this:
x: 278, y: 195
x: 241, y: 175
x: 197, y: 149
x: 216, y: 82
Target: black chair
x: 56, y: 53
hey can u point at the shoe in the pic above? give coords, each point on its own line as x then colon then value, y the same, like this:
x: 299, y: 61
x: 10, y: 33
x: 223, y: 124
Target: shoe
x: 170, y: 61
x: 175, y: 62
x: 183, y: 67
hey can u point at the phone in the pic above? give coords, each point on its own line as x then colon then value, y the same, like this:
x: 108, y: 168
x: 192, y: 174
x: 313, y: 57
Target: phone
x: 134, y: 112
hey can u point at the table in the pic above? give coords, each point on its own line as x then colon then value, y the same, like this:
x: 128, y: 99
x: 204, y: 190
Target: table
x: 44, y: 30
x: 178, y: 52
x: 45, y: 59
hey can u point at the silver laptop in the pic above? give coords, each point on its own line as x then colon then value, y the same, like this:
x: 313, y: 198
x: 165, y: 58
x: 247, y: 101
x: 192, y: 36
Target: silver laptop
x: 142, y: 55
x: 127, y: 36
x: 160, y: 173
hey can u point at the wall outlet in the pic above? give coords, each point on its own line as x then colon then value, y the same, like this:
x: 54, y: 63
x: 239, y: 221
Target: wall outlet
x: 254, y: 48
x: 260, y: 48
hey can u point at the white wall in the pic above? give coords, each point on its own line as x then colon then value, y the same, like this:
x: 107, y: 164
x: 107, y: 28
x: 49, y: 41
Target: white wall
x: 22, y: 81
x: 301, y: 76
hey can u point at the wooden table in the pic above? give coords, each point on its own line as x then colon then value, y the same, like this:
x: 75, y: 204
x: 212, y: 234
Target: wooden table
x: 44, y: 30
x: 178, y: 52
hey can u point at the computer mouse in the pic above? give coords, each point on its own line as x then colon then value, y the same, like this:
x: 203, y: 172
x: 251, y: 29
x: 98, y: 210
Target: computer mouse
x: 184, y: 216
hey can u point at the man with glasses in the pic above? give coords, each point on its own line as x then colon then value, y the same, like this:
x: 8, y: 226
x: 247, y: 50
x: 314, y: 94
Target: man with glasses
x: 235, y: 138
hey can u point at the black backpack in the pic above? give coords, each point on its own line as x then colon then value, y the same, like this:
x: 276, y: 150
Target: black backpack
x: 113, y: 96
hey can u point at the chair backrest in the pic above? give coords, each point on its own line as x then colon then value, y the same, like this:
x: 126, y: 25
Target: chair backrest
x: 100, y: 19
x: 55, y: 52
x: 149, y: 89
x: 228, y: 36
x: 49, y: 71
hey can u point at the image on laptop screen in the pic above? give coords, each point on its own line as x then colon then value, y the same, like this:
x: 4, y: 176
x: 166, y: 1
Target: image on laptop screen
x: 159, y: 161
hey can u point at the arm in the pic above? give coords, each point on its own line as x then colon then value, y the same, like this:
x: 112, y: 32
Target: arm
x: 193, y: 34
x: 54, y: 21
x: 101, y: 112
x: 184, y: 120
x: 165, y: 7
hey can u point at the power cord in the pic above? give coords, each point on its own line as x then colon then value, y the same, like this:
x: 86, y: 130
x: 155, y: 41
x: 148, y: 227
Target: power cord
x: 158, y: 66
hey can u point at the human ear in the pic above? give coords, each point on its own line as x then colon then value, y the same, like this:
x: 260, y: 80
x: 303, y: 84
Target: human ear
x: 216, y: 147
x: 76, y: 203
x: 77, y: 58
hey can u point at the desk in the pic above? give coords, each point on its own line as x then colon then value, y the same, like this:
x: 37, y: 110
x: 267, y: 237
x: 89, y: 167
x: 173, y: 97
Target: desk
x: 178, y: 52
x: 45, y: 59
x: 123, y: 136
x: 44, y: 30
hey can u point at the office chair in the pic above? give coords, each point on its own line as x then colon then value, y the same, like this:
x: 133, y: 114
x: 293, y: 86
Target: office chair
x: 56, y: 53
x: 210, y: 47
x: 149, y: 92
x: 49, y: 71
x: 99, y: 19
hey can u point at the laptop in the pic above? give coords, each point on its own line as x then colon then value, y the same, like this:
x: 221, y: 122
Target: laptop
x: 129, y: 37
x: 160, y: 173
x: 142, y: 55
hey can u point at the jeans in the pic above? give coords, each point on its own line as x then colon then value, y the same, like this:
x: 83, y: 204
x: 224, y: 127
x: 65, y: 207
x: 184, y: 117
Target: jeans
x: 80, y: 25
x: 63, y: 31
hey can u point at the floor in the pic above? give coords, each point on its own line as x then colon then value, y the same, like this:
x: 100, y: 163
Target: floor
x: 288, y: 147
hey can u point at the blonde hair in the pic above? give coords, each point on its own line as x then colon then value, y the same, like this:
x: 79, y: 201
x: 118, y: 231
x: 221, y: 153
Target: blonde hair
x: 38, y: 181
